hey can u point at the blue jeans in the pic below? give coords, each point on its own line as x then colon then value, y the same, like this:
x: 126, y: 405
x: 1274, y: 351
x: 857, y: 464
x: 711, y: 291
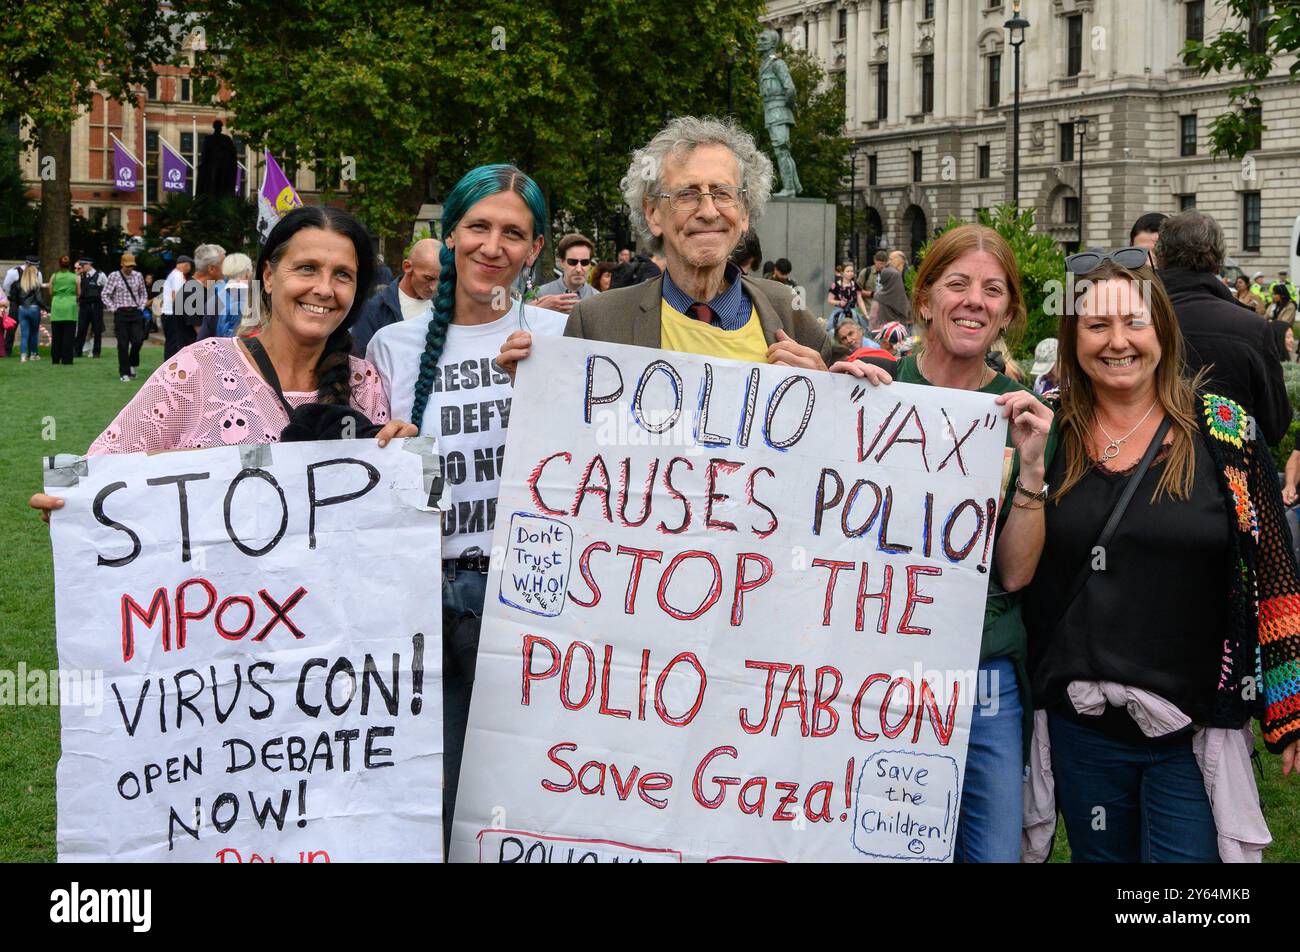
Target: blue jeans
x: 29, y: 321
x: 992, y: 803
x: 1130, y: 803
x: 462, y: 616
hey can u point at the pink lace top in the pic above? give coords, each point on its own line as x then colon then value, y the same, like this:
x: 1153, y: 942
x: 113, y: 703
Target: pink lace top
x: 210, y: 395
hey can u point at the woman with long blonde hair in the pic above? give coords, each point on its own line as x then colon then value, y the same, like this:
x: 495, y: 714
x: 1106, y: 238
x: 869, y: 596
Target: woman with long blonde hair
x: 27, y: 299
x: 1166, y: 599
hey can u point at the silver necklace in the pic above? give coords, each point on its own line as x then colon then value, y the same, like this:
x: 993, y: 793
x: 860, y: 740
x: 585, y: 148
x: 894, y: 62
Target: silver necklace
x: 1112, y: 448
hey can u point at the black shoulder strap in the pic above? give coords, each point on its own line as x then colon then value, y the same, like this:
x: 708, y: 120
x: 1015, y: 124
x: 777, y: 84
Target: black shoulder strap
x: 1112, y: 524
x: 263, y: 361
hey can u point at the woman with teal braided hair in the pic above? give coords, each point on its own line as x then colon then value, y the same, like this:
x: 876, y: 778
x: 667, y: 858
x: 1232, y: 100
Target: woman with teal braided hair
x: 438, y: 369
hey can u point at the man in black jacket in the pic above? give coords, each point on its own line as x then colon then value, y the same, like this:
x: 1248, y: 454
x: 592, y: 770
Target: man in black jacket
x: 405, y: 298
x: 1221, y: 334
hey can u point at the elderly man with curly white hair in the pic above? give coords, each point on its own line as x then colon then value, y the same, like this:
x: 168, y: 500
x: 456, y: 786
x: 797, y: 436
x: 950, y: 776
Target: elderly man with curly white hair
x: 693, y: 191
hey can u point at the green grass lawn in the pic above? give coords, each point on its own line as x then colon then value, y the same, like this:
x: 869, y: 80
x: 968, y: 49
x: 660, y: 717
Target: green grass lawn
x: 46, y: 409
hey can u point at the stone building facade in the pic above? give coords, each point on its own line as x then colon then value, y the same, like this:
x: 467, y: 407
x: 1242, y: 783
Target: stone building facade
x: 929, y: 87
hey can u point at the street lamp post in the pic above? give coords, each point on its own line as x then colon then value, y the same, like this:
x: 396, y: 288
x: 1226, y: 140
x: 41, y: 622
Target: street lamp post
x: 1016, y: 27
x: 1081, y: 127
x: 853, y: 203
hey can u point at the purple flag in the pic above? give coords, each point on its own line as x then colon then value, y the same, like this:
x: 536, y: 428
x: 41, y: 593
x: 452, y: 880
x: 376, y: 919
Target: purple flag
x: 175, y: 170
x: 239, y: 178
x: 126, y: 168
x: 276, y: 198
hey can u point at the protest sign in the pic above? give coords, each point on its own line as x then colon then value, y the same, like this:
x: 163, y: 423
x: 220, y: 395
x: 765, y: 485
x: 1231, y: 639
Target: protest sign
x: 267, y: 620
x: 736, y: 614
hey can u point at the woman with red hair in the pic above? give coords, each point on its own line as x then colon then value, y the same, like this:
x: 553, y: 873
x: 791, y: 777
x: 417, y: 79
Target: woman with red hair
x: 966, y: 297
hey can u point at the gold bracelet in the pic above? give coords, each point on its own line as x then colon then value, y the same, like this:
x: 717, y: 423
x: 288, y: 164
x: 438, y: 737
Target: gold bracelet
x: 1026, y: 506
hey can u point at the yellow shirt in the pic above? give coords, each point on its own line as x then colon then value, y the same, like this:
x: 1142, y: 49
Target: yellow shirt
x: 689, y: 336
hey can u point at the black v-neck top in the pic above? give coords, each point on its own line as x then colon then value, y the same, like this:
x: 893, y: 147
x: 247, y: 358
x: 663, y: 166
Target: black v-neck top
x: 1154, y: 613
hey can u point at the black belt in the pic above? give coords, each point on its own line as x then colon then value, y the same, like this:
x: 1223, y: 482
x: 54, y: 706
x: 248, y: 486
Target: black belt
x: 468, y: 563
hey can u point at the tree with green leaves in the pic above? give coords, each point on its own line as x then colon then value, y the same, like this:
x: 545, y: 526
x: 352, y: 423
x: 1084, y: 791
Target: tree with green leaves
x: 189, y: 221
x: 1268, y: 32
x: 401, y: 99
x: 17, y: 213
x: 56, y: 55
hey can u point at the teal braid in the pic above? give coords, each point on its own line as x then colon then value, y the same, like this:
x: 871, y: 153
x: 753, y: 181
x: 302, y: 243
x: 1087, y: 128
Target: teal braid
x: 444, y: 309
x: 477, y: 184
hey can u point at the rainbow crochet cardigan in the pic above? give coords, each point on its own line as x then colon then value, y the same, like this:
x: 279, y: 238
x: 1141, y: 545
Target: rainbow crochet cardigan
x: 1259, y: 674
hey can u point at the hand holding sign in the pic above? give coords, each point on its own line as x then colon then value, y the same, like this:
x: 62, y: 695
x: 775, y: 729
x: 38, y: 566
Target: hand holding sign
x: 260, y: 701
x: 729, y: 593
x: 786, y: 352
x: 1030, y: 421
x: 516, y: 347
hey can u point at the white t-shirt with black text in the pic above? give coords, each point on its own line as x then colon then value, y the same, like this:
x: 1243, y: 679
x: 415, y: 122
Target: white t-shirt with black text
x: 468, y: 410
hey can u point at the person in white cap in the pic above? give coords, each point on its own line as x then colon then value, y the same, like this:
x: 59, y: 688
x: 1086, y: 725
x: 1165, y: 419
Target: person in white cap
x: 1256, y: 287
x: 1044, y: 370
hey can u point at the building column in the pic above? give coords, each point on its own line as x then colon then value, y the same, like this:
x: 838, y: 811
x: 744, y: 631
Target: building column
x: 955, y: 66
x: 1105, y: 66
x: 824, y: 36
x: 906, y: 28
x: 1041, y: 56
x: 895, y: 58
x: 866, y: 93
x: 851, y: 69
x: 942, y: 38
x: 968, y: 58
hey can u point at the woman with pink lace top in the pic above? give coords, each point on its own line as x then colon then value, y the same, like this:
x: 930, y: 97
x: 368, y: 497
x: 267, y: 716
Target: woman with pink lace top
x: 315, y: 264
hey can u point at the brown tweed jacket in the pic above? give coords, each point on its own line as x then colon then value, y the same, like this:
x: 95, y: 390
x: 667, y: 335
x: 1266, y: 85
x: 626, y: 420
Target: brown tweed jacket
x: 631, y: 316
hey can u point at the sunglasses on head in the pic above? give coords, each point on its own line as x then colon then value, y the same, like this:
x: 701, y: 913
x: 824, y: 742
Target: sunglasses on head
x: 572, y: 262
x: 1085, y: 262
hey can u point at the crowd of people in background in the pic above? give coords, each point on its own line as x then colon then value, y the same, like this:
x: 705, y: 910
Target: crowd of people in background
x: 1143, y: 428
x: 209, y: 294
x: 202, y: 296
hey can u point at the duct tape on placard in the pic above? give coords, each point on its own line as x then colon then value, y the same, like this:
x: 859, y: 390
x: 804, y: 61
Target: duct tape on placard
x: 64, y: 469
x: 426, y: 447
x: 255, y: 456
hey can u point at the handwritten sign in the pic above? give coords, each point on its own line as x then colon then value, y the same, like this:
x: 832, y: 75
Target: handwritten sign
x: 273, y: 671
x: 735, y: 614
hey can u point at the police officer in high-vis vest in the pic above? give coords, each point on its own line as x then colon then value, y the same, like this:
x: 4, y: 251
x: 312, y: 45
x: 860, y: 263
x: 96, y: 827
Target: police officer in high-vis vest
x: 1261, y: 287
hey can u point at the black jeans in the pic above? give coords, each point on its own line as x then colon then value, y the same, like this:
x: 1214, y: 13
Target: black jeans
x: 63, y: 334
x: 129, y: 324
x: 173, y: 330
x: 90, y: 317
